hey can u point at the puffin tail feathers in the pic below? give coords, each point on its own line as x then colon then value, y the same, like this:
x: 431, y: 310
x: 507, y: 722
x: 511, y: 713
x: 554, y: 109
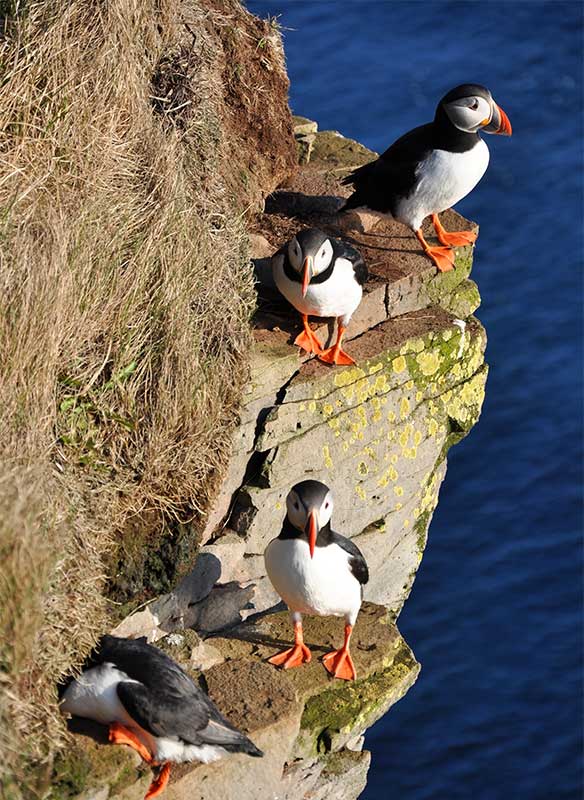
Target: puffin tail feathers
x: 229, y: 739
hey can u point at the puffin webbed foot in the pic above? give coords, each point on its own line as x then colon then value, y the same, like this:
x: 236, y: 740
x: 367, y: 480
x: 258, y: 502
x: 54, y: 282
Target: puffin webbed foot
x: 294, y: 657
x: 336, y: 356
x: 159, y: 783
x: 455, y: 239
x: 340, y: 664
x: 119, y: 734
x: 307, y: 340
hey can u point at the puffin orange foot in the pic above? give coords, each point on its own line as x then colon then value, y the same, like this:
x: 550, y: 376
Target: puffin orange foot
x: 458, y: 239
x: 119, y: 734
x: 340, y: 664
x: 158, y: 785
x: 308, y: 342
x: 443, y: 257
x: 334, y: 356
x: 294, y: 657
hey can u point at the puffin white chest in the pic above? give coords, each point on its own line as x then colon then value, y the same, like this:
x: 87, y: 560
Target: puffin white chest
x: 443, y: 179
x: 323, y: 585
x: 93, y: 695
x: 338, y: 296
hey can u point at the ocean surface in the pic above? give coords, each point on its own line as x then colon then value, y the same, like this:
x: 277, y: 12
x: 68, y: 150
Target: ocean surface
x: 495, y: 615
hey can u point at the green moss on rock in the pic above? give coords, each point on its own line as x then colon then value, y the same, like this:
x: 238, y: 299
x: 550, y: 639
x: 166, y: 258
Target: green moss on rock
x: 352, y: 707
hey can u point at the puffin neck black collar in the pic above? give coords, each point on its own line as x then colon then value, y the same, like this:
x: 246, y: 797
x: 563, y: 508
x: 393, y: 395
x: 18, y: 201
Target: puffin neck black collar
x: 448, y: 137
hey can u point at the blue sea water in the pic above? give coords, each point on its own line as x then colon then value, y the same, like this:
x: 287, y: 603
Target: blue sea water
x: 495, y: 616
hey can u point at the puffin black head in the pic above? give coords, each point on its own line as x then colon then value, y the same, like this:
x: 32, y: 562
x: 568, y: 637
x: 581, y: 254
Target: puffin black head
x: 471, y: 108
x: 310, y: 252
x: 310, y: 506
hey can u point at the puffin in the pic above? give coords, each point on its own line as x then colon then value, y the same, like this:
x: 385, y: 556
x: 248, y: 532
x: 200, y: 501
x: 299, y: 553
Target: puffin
x: 316, y: 571
x: 152, y: 705
x: 322, y: 277
x: 432, y: 167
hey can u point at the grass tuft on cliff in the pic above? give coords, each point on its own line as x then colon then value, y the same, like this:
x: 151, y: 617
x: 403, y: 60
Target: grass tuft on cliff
x: 129, y: 153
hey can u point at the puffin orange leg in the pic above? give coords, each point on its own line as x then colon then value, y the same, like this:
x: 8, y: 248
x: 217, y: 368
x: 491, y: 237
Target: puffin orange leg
x: 458, y: 239
x: 119, y: 734
x: 295, y: 656
x: 339, y: 662
x: 307, y: 339
x: 443, y: 257
x: 336, y: 355
x: 158, y: 785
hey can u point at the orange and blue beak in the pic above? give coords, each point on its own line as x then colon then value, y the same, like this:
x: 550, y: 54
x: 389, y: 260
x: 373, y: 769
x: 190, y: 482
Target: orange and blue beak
x: 306, y: 274
x: 312, y: 532
x: 499, y: 122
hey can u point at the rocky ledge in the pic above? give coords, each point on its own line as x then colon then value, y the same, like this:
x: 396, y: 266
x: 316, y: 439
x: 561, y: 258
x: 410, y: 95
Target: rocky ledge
x: 377, y: 434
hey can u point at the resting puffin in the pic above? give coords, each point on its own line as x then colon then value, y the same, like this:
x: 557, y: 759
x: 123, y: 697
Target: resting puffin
x: 320, y: 277
x: 433, y: 167
x: 316, y: 571
x: 152, y: 705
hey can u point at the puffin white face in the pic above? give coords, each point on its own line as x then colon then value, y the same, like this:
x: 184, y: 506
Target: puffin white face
x: 323, y: 258
x: 298, y: 512
x: 309, y: 510
x: 310, y: 252
x: 295, y: 254
x: 470, y: 114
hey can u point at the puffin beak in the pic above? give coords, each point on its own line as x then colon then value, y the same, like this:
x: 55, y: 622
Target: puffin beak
x: 306, y: 275
x: 499, y: 122
x: 312, y: 532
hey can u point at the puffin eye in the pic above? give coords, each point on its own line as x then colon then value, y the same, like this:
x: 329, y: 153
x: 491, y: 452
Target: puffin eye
x: 327, y: 504
x: 474, y: 105
x: 296, y: 506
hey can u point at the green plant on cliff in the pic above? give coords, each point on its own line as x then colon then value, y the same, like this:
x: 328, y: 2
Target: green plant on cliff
x: 126, y: 300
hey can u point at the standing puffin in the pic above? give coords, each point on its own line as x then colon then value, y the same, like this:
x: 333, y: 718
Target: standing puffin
x: 152, y: 705
x: 432, y: 167
x: 320, y: 277
x: 316, y: 571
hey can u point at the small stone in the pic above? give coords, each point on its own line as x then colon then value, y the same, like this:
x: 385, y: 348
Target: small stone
x: 361, y: 221
x: 175, y: 639
x: 304, y: 147
x: 143, y: 623
x: 302, y: 126
x: 259, y: 247
x: 204, y: 656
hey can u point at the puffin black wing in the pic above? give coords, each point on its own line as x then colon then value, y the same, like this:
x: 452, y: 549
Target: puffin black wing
x: 380, y: 183
x: 165, y: 701
x: 357, y: 561
x: 344, y: 250
x: 190, y: 716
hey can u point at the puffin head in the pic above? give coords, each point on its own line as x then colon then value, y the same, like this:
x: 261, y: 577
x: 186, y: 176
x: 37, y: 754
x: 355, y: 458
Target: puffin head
x: 471, y: 108
x: 310, y: 506
x: 310, y: 252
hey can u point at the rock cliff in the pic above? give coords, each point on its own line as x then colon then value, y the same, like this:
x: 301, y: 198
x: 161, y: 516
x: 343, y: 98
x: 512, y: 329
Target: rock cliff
x: 378, y: 434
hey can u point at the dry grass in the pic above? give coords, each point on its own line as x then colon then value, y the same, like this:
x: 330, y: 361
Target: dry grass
x: 124, y: 322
